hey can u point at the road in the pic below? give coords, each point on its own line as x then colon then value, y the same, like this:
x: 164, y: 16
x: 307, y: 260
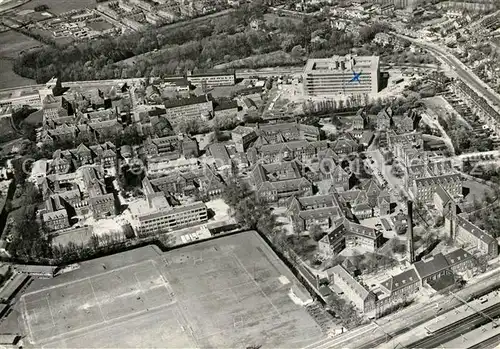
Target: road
x: 464, y: 73
x: 463, y: 326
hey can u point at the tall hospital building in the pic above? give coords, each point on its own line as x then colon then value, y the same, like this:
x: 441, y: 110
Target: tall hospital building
x: 341, y: 75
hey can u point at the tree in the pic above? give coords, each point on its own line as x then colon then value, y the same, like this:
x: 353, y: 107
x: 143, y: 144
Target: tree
x: 297, y: 51
x: 316, y: 232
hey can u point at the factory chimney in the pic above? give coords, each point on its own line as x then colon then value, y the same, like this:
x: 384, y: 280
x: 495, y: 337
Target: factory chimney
x: 409, y: 237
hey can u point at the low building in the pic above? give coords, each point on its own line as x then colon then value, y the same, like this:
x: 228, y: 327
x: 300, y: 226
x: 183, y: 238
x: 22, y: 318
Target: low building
x: 156, y: 215
x: 363, y: 299
x: 354, y: 235
x: 472, y: 237
x: 401, y: 286
x: 432, y: 268
x: 243, y: 137
x: 279, y: 181
x: 212, y: 79
x: 318, y: 210
x: 226, y: 110
x: 188, y: 108
x: 285, y: 132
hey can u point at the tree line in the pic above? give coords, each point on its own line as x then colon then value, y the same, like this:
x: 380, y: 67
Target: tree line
x: 194, y: 46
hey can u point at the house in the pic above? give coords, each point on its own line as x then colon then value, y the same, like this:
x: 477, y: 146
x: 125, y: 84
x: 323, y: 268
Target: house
x: 161, y: 145
x: 268, y: 153
x: 285, y: 132
x: 243, y: 137
x: 226, y: 109
x: 401, y: 286
x: 366, y: 139
x: 278, y: 181
x: 354, y: 234
x: 344, y: 145
x: 188, y: 108
x: 424, y: 188
x: 471, y: 236
x: 408, y: 122
x: 333, y: 242
x: 363, y: 299
x: 189, y: 147
x: 441, y: 200
x: 319, y: 210
x: 55, y: 220
x: 384, y: 119
x: 359, y: 120
x: 460, y: 261
x: 432, y: 268
x: 220, y: 155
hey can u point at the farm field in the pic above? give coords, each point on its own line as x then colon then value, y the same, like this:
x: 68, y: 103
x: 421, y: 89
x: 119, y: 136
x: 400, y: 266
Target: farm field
x: 13, y: 43
x: 59, y: 6
x: 231, y: 292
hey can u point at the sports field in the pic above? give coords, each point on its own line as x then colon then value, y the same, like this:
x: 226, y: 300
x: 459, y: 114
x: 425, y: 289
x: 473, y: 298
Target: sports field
x: 230, y: 292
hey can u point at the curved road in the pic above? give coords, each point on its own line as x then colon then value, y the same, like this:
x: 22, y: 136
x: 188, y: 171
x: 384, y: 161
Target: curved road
x: 463, y: 73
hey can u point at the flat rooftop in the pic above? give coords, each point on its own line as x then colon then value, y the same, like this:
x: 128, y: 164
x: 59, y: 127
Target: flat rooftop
x: 230, y: 292
x: 336, y: 63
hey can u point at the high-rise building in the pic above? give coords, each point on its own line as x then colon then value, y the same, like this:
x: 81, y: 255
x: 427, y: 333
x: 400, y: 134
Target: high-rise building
x: 341, y: 75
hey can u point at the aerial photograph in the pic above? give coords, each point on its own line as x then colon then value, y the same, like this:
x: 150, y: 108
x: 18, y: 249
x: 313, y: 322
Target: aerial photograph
x: 249, y: 174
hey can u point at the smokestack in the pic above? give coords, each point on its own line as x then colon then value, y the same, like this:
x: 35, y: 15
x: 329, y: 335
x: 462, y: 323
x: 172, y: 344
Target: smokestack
x: 411, y: 250
x: 450, y: 213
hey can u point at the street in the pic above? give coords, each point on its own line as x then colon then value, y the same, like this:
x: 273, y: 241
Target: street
x: 461, y: 70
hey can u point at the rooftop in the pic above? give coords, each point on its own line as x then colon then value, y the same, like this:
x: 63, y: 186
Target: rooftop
x: 341, y: 63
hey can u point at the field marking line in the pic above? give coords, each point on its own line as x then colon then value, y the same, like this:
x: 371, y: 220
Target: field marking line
x: 79, y: 332
x: 189, y: 325
x: 64, y: 284
x: 97, y: 302
x: 50, y: 310
x: 25, y: 317
x: 256, y: 284
x: 138, y: 283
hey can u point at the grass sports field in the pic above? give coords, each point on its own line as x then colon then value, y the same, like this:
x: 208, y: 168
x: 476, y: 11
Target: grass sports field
x: 230, y: 292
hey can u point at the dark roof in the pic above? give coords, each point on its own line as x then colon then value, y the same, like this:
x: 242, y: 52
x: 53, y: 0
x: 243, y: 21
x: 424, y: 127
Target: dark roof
x: 399, y: 281
x: 211, y: 73
x: 172, y: 103
x: 224, y: 105
x: 425, y: 268
x: 475, y: 230
x: 443, y: 194
x: 458, y: 256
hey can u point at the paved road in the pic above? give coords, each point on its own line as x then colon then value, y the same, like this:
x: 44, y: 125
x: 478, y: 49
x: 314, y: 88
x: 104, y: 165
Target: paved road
x: 464, y: 73
x: 463, y: 326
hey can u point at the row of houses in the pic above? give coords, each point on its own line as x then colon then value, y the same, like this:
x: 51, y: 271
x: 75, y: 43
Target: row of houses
x: 403, y: 286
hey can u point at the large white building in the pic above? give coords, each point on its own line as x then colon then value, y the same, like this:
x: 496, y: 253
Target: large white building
x: 341, y: 75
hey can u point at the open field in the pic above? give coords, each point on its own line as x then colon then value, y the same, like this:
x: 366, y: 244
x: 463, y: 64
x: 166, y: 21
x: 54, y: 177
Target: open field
x: 10, y: 79
x: 13, y: 43
x: 59, y: 6
x: 230, y: 292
